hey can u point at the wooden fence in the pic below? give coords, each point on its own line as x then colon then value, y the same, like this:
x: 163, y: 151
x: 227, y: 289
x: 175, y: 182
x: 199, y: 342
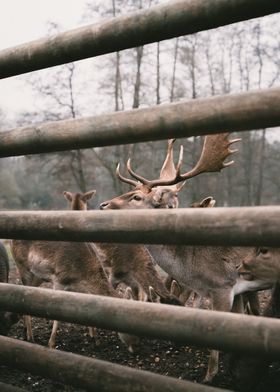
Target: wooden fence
x: 238, y: 226
x: 233, y: 226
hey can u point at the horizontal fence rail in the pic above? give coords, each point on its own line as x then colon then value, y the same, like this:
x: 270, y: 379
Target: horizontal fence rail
x: 204, y: 328
x: 10, y: 388
x: 231, y: 112
x: 88, y: 373
x: 155, y: 24
x: 247, y: 226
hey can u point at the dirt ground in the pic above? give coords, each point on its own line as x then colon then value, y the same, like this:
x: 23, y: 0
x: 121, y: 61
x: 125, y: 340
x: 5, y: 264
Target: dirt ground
x: 161, y: 357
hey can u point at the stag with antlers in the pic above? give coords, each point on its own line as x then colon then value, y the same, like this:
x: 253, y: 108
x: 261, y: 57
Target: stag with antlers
x: 209, y: 271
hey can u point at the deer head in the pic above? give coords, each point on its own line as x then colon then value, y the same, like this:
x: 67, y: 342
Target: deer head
x: 163, y: 192
x: 78, y: 201
x: 261, y: 263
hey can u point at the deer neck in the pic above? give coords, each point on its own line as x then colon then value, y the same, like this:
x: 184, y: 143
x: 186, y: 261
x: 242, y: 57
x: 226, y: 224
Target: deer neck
x: 169, y: 259
x: 242, y: 285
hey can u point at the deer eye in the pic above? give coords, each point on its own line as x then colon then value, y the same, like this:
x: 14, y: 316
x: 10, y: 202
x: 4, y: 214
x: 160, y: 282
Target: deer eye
x: 263, y: 251
x: 137, y: 198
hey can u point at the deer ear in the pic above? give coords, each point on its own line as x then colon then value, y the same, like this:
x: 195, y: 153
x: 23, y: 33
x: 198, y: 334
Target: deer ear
x: 128, y: 294
x: 208, y: 202
x: 142, y: 296
x: 88, y: 195
x: 68, y: 196
x: 154, y: 296
x: 175, y: 288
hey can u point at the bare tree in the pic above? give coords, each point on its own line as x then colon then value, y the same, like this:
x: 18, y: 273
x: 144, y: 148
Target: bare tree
x: 173, y: 76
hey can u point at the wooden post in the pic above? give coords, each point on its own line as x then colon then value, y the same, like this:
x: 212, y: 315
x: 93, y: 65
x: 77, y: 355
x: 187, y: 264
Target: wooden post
x: 88, y: 373
x: 248, y: 226
x: 234, y: 112
x: 157, y: 23
x: 204, y: 328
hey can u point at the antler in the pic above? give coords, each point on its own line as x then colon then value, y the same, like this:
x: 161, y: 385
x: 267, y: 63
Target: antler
x: 215, y: 150
x: 168, y: 169
x: 160, y: 181
x: 124, y: 179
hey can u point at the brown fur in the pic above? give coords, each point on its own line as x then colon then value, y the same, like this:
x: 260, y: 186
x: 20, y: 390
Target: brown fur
x: 7, y: 319
x: 133, y: 266
x: 208, y: 271
x: 67, y: 265
x: 70, y: 266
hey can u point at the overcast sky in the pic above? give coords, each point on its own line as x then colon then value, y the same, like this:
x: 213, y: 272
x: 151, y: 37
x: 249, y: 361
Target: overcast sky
x: 26, y: 20
x: 22, y: 21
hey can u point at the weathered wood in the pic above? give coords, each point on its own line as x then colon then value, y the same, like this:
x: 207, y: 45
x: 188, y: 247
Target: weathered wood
x: 158, y: 23
x: 10, y: 388
x: 204, y: 328
x: 248, y: 226
x: 88, y: 373
x: 234, y: 112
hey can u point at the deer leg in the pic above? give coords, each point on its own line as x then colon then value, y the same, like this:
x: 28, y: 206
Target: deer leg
x: 28, y: 279
x: 213, y: 366
x: 253, y: 302
x: 238, y: 304
x: 222, y: 300
x: 51, y: 343
x: 28, y: 328
x: 92, y: 332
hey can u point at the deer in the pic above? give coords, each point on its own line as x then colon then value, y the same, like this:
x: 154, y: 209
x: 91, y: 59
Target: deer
x: 69, y: 266
x: 250, y: 299
x: 208, y: 271
x: 172, y: 285
x: 79, y: 202
x: 133, y: 266
x: 248, y: 371
x: 128, y: 264
x: 7, y: 319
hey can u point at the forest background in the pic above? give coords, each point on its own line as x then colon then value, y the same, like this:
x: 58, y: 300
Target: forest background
x: 236, y: 58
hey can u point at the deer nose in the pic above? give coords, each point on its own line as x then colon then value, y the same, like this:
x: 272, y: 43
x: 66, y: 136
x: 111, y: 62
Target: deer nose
x: 103, y: 205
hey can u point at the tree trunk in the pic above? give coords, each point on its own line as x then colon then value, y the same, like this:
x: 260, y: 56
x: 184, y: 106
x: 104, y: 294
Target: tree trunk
x: 259, y: 187
x: 137, y: 84
x: 158, y: 75
x: 173, y: 78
